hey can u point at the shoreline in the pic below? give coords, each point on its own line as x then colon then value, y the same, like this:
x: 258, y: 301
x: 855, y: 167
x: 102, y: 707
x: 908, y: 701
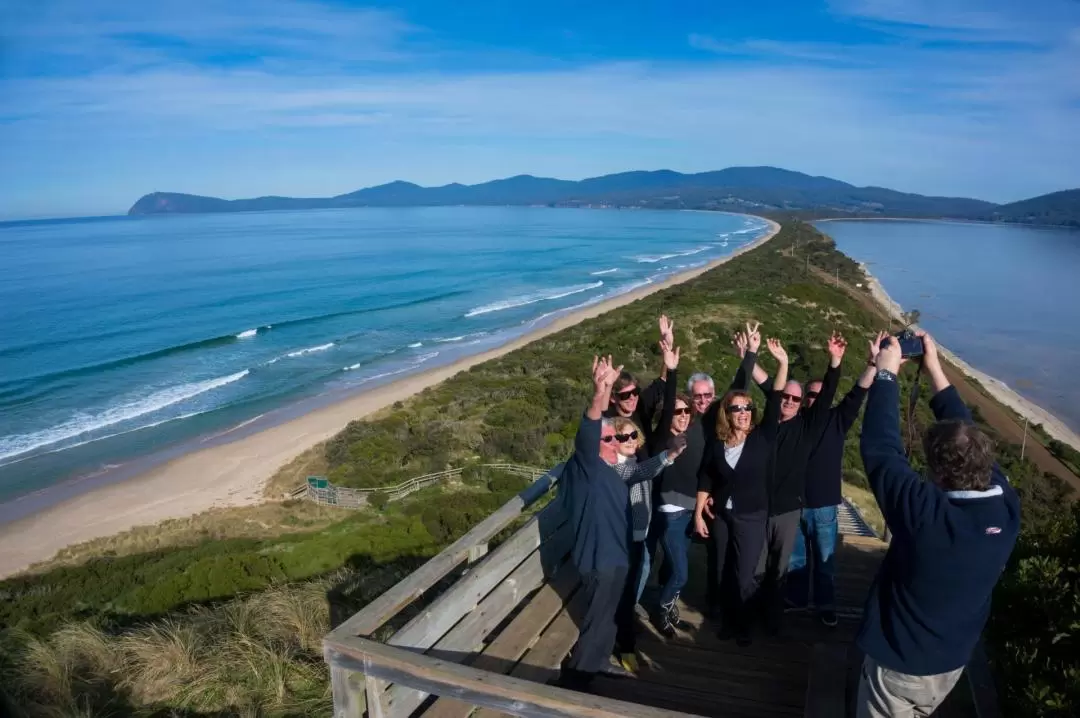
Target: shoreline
x: 999, y: 390
x: 234, y: 473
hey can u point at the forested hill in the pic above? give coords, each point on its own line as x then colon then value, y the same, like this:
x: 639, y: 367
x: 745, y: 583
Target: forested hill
x: 734, y: 188
x: 1058, y: 208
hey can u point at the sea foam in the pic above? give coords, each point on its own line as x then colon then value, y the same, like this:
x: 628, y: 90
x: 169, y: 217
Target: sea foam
x: 526, y: 299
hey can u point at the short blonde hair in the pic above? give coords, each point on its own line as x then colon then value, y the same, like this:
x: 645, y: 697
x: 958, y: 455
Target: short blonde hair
x: 624, y: 425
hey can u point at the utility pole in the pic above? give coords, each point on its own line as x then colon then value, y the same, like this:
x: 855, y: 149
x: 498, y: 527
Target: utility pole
x: 1023, y: 446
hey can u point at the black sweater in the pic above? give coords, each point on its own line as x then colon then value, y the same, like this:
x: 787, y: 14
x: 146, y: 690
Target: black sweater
x: 825, y: 470
x: 797, y: 437
x: 746, y: 484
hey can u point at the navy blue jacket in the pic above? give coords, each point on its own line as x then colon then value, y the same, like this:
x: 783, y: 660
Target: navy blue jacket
x: 825, y: 470
x: 931, y: 597
x: 598, y: 502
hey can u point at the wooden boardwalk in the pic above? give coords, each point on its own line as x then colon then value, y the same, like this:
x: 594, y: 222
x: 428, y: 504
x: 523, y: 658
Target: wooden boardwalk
x: 491, y: 641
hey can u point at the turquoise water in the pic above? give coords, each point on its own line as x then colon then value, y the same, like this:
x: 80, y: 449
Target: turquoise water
x: 1005, y: 298
x: 121, y: 337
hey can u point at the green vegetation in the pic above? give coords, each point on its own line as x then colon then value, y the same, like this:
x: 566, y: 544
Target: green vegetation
x: 79, y: 638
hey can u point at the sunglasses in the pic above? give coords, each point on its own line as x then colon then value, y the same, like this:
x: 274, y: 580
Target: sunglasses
x: 697, y: 397
x: 608, y: 439
x: 632, y: 436
x: 629, y: 393
x: 682, y: 412
x: 812, y: 394
x: 739, y: 408
x: 791, y: 397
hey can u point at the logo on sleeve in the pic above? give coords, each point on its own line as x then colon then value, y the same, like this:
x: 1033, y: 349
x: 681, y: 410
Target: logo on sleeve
x: 993, y: 530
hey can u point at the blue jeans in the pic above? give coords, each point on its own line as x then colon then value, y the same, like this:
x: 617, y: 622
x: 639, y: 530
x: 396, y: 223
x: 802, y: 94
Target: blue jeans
x: 818, y: 532
x: 675, y: 539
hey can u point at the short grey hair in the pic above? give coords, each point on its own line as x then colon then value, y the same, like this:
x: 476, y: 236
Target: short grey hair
x: 700, y: 376
x: 607, y: 422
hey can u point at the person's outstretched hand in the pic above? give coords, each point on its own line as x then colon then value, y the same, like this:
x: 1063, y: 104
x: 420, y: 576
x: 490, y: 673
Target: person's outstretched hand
x: 837, y: 347
x: 777, y: 350
x: 671, y: 355
x: 875, y: 346
x: 890, y: 357
x: 740, y: 342
x: 604, y: 373
x: 667, y: 330
x: 753, y: 336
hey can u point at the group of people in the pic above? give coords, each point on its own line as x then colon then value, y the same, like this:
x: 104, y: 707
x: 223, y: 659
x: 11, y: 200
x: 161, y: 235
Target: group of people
x: 657, y: 468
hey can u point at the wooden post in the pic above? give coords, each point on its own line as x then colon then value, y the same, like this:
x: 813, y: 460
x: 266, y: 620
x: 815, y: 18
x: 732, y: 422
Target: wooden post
x: 1023, y: 446
x: 348, y: 696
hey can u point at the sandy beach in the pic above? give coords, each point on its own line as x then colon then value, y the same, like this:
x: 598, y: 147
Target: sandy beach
x: 995, y: 387
x: 234, y: 474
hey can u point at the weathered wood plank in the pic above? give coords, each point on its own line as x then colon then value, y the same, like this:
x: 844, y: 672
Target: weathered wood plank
x: 826, y: 689
x: 503, y: 653
x: 431, y: 624
x: 466, y: 638
x: 375, y: 614
x: 348, y: 693
x: 375, y: 697
x: 503, y: 693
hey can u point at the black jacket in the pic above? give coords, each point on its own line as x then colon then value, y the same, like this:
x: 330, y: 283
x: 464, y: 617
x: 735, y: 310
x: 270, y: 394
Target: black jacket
x: 746, y: 484
x: 797, y: 437
x: 825, y: 470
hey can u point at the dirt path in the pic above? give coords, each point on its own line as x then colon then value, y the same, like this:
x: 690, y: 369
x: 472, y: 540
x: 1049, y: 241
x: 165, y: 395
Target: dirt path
x: 996, y: 416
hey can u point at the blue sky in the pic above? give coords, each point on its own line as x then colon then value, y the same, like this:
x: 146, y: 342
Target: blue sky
x: 102, y: 101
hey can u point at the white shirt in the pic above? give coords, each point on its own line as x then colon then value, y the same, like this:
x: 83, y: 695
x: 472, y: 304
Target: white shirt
x: 731, y: 456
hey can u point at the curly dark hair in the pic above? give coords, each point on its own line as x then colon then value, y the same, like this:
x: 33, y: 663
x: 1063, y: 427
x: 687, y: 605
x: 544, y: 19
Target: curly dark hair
x: 959, y: 455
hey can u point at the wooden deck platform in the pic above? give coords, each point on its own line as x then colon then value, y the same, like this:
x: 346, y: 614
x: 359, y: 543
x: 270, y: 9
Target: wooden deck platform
x: 492, y: 643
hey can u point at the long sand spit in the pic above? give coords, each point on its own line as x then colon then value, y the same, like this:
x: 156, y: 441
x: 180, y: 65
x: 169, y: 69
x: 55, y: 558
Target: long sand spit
x: 233, y: 474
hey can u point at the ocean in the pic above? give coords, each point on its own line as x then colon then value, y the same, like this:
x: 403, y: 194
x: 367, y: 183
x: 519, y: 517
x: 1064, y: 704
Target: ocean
x: 1004, y: 298
x: 125, y: 337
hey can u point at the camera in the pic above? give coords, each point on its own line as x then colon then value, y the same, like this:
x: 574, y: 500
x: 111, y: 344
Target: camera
x: 911, y: 346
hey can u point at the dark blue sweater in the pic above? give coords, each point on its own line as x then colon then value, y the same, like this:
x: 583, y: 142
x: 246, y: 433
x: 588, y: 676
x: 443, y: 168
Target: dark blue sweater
x: 825, y: 469
x: 597, y: 500
x: 931, y: 597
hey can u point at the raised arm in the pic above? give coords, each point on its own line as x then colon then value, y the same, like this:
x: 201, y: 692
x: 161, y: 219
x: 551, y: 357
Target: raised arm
x: 900, y: 491
x: 587, y: 440
x: 748, y: 369
x: 671, y: 385
x: 848, y: 408
x: 818, y: 414
x: 770, y: 422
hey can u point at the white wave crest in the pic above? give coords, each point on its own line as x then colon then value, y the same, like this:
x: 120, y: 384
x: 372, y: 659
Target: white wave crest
x: 604, y: 271
x: 444, y: 340
x: 525, y: 299
x: 247, y: 333
x: 83, y: 424
x: 310, y: 350
x: 662, y: 257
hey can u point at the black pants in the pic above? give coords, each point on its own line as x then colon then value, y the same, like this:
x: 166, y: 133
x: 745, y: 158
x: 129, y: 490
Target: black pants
x: 738, y: 540
x: 772, y: 568
x: 625, y: 618
x: 604, y: 590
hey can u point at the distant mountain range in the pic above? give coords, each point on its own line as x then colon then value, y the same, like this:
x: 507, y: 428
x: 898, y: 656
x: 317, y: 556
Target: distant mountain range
x: 761, y: 189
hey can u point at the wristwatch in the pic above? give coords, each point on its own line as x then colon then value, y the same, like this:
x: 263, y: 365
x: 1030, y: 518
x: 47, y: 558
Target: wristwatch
x: 885, y: 375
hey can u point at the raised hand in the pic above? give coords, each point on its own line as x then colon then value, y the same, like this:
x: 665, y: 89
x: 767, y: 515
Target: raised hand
x: 875, y: 345
x: 753, y: 336
x: 671, y: 356
x: 777, y: 350
x: 890, y: 357
x: 667, y: 330
x: 837, y: 345
x: 604, y: 373
x: 740, y: 342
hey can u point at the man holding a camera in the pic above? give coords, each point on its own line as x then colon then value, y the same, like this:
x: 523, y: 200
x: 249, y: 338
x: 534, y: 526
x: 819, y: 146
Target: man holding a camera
x: 952, y: 535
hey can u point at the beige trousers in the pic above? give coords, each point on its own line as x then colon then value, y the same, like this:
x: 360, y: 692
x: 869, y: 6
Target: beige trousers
x: 884, y: 693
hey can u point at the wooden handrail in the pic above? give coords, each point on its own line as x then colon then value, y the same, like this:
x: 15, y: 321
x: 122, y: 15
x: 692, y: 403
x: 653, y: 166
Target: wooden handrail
x: 373, y: 616
x: 380, y: 662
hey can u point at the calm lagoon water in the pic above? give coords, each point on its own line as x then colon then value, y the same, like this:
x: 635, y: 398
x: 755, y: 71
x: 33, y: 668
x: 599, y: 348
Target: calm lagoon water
x: 1005, y: 298
x: 121, y: 337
